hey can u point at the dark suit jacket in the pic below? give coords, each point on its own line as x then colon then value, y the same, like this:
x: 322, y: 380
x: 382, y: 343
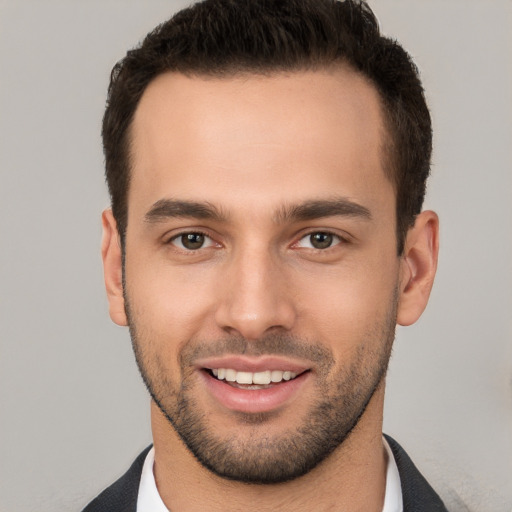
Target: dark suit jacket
x: 417, y: 494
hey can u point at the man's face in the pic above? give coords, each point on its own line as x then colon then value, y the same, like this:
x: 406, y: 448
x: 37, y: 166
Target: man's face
x: 261, y: 248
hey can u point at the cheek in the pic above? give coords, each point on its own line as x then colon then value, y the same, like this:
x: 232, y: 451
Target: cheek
x: 170, y: 303
x: 345, y: 304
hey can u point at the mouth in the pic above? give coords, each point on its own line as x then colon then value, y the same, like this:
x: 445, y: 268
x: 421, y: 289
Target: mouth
x: 264, y: 389
x: 252, y: 380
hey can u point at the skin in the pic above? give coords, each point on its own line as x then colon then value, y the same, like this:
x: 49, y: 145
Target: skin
x: 254, y: 147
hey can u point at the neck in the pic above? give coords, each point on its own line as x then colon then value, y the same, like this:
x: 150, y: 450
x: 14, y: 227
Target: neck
x: 352, y: 478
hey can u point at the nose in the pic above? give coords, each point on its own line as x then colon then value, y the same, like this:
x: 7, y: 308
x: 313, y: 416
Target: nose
x: 254, y: 297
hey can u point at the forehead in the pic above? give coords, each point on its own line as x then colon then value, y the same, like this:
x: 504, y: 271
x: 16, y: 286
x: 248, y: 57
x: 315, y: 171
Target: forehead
x: 278, y: 138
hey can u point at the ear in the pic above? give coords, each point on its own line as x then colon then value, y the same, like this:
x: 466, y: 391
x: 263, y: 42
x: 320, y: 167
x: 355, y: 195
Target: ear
x: 418, y: 267
x: 113, y: 268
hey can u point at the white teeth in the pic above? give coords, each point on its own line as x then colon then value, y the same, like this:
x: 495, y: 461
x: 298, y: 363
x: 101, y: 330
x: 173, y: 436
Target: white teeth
x: 230, y: 375
x: 260, y: 378
x: 244, y: 377
x: 276, y: 376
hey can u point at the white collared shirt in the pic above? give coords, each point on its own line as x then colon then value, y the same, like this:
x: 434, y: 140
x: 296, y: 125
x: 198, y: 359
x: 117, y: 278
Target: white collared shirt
x: 393, y: 498
x: 150, y: 501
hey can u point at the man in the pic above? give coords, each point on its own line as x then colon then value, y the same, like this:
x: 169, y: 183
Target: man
x: 267, y: 163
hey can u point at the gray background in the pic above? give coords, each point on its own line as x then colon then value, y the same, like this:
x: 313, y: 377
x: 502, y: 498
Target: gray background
x: 72, y: 408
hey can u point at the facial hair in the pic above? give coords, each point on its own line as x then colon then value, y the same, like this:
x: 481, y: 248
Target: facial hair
x: 252, y: 454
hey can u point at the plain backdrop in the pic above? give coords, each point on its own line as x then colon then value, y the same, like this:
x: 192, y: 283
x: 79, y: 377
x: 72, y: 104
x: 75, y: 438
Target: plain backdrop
x: 73, y: 410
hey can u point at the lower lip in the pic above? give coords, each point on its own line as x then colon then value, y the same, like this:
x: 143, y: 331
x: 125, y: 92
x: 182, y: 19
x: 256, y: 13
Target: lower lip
x: 254, y: 400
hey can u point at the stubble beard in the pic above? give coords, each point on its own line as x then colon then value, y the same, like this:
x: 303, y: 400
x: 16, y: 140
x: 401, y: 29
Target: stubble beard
x: 251, y: 454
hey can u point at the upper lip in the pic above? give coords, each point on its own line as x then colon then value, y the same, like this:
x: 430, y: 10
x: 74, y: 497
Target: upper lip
x: 252, y: 364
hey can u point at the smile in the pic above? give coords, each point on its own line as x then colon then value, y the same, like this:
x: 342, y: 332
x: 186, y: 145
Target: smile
x: 264, y: 389
x: 262, y: 378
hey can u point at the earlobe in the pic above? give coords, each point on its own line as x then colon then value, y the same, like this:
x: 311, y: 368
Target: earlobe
x: 419, y: 264
x: 113, y: 268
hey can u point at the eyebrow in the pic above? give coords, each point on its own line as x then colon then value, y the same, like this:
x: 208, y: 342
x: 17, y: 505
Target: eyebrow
x: 170, y: 208
x: 165, y: 209
x: 317, y: 209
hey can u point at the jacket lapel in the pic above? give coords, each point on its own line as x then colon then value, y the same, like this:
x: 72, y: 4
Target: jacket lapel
x: 417, y: 494
x: 121, y: 496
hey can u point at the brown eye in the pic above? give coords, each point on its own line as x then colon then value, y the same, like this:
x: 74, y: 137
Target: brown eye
x: 191, y: 241
x: 321, y: 240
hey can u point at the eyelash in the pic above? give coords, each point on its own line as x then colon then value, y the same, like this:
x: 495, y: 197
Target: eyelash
x: 192, y: 232
x: 340, y: 240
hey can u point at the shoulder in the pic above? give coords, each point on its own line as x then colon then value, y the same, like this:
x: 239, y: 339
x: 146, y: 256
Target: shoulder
x: 417, y: 493
x: 121, y: 496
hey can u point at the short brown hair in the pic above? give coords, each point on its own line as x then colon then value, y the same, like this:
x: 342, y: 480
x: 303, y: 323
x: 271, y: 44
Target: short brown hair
x: 226, y: 37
